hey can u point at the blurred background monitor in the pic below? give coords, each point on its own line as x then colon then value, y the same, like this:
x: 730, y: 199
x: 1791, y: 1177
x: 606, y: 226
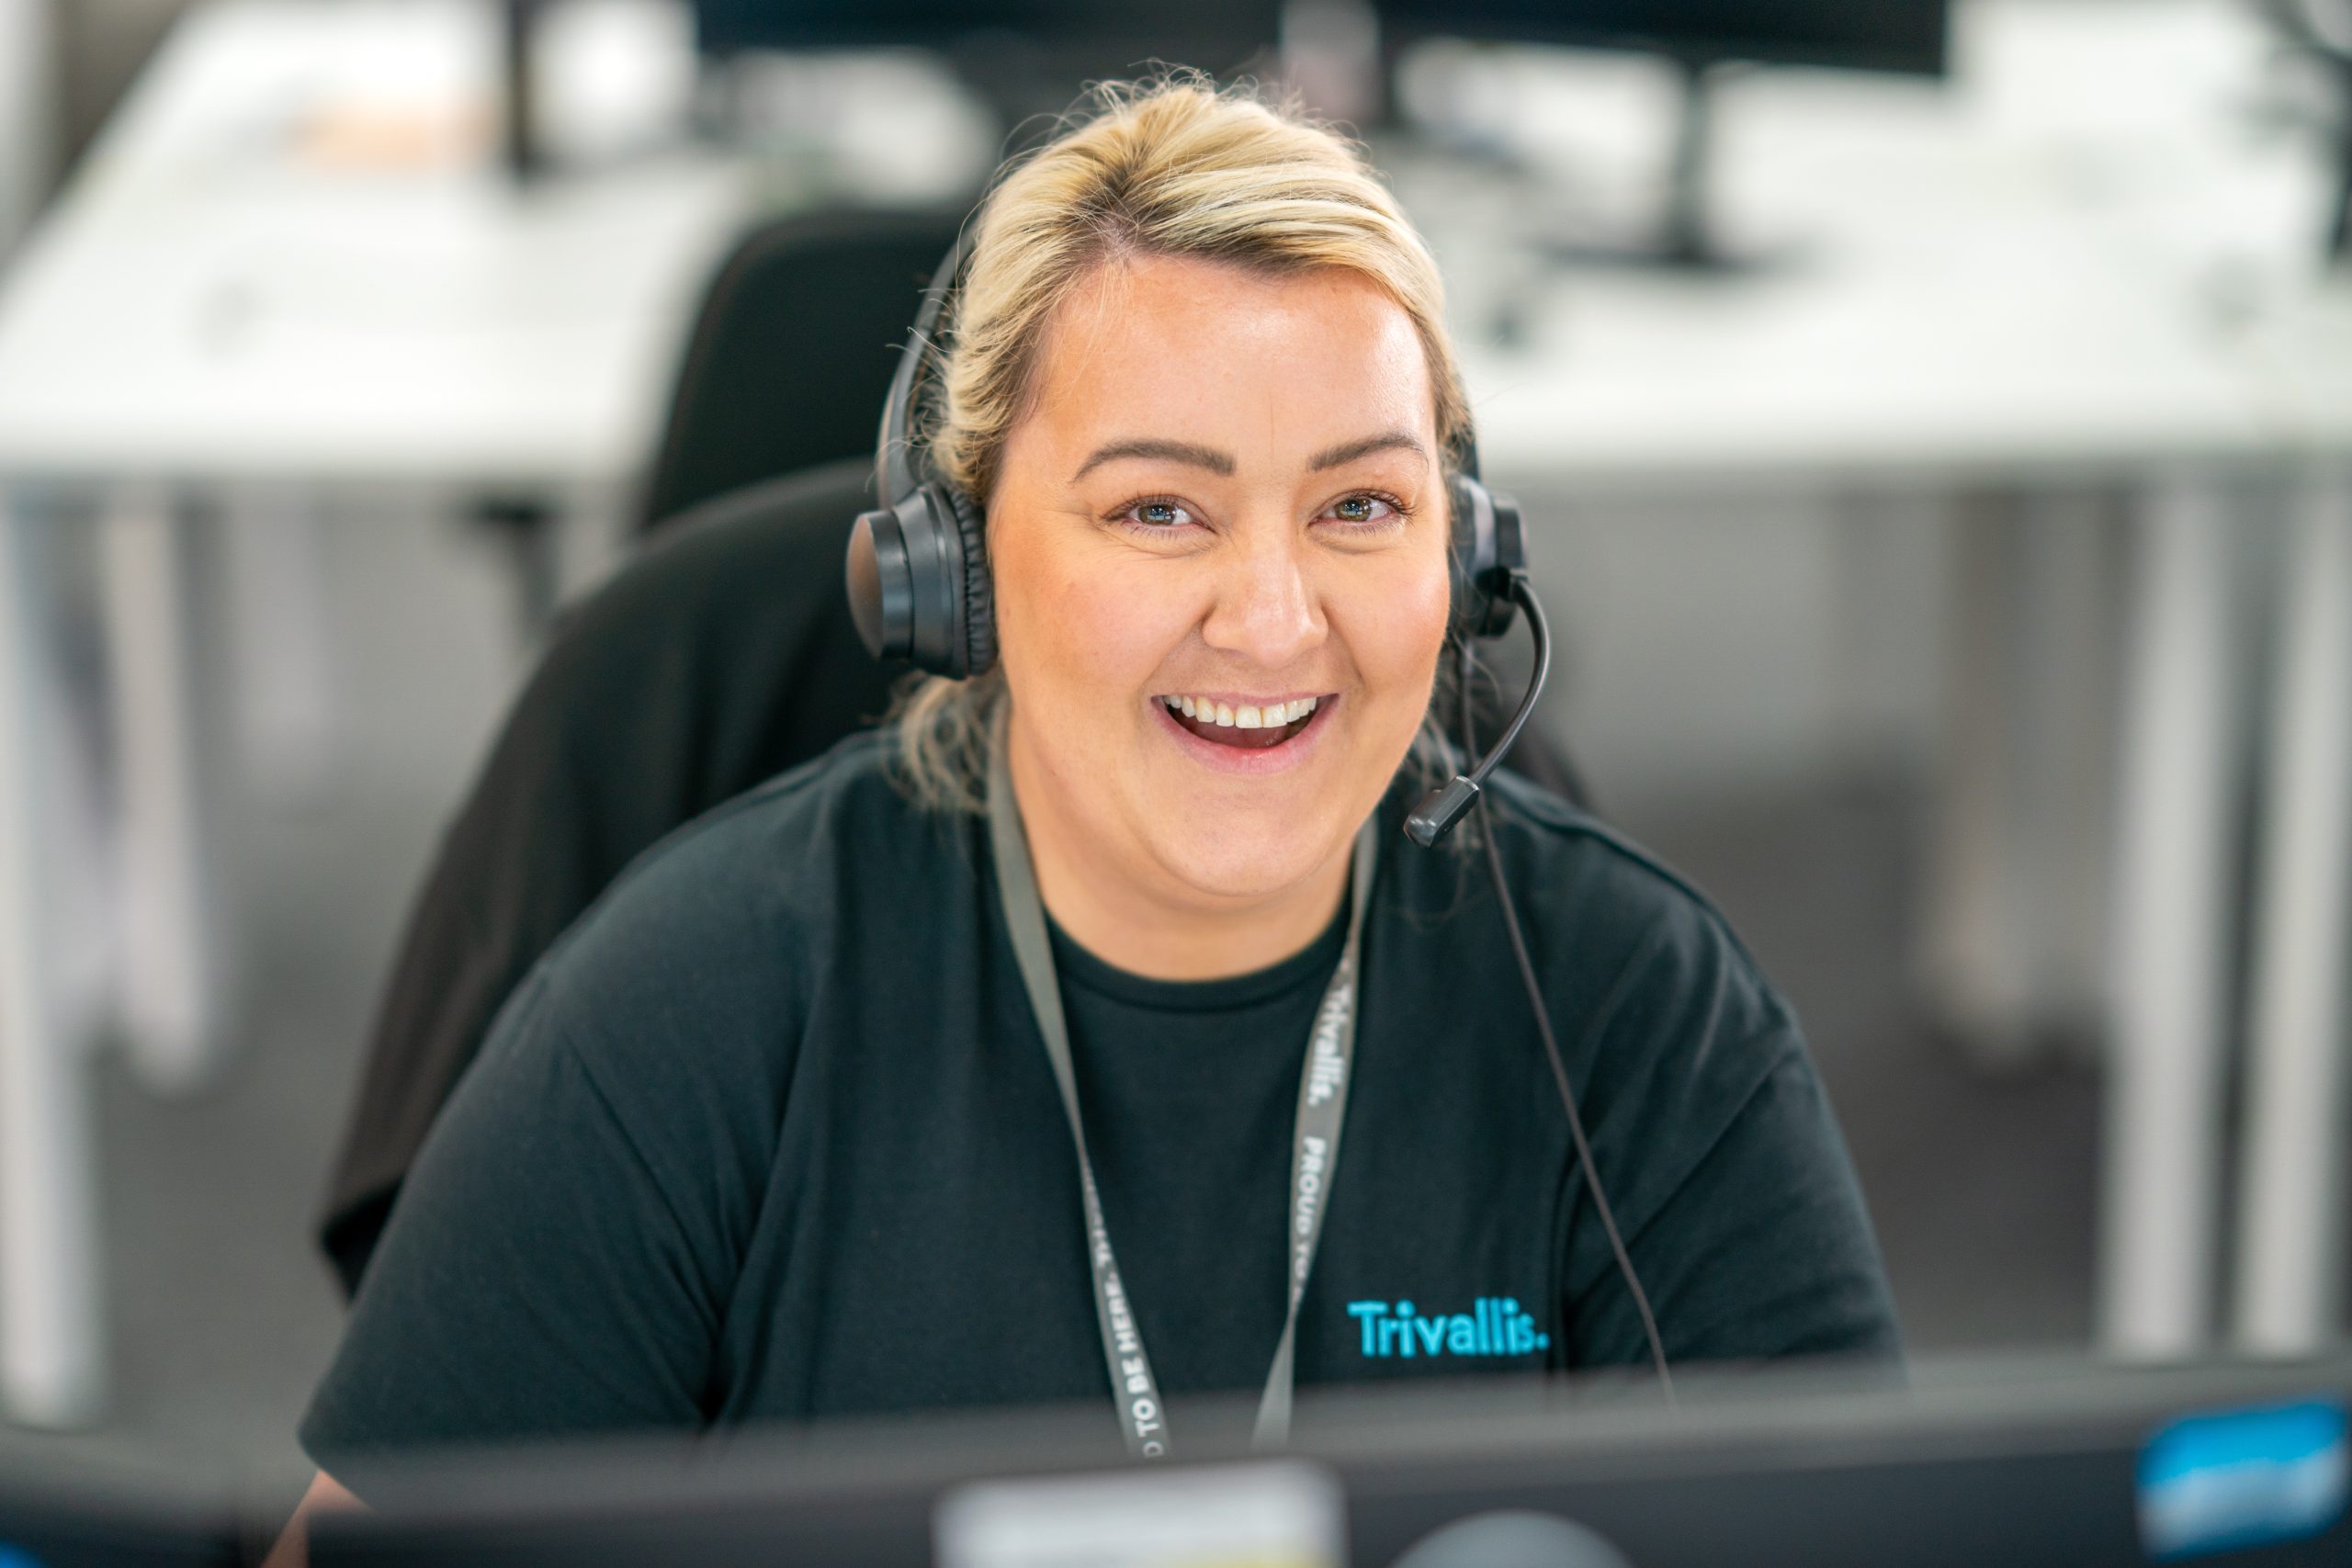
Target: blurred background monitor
x: 1902, y: 36
x: 1026, y: 57
x: 1208, y: 33
x: 1871, y: 35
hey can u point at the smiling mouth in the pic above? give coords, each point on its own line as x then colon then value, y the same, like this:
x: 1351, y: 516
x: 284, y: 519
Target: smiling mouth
x: 1245, y: 728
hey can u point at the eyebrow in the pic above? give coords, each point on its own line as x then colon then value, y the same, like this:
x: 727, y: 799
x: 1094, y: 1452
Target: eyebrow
x: 1348, y: 451
x: 1208, y: 458
x: 1219, y: 462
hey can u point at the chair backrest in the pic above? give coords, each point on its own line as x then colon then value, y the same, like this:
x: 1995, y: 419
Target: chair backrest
x: 791, y: 355
x: 721, y: 656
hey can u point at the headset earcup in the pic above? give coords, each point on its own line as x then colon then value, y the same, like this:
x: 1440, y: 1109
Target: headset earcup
x: 1457, y: 579
x: 1487, y: 546
x: 929, y: 549
x: 1462, y: 549
x: 978, y: 635
x: 1468, y: 605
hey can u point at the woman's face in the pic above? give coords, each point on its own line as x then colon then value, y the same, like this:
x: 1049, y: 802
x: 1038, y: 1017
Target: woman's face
x: 1227, y: 490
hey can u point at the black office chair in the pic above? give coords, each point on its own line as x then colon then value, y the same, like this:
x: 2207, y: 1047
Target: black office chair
x: 784, y: 368
x: 792, y: 352
x: 722, y: 654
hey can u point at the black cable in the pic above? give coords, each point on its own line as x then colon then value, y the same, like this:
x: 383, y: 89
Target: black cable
x: 1541, y: 632
x: 1439, y: 810
x: 1535, y: 994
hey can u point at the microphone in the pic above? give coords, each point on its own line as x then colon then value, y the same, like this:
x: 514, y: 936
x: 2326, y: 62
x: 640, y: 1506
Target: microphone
x: 1431, y: 820
x: 1434, y: 817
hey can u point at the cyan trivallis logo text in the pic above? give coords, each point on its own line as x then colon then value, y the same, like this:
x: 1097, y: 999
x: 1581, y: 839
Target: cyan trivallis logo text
x: 1493, y: 1326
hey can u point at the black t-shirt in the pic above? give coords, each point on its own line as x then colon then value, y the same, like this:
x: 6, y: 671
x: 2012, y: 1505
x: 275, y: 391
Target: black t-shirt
x: 771, y: 1134
x: 1177, y: 1079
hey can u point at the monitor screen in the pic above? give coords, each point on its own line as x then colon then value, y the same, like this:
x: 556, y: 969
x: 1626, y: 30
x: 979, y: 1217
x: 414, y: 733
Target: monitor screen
x: 1213, y: 34
x: 1871, y: 35
x: 54, y: 1520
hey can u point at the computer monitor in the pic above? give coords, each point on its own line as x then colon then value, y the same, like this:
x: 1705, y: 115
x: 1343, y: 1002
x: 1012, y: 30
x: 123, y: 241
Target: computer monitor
x: 1871, y: 35
x: 1029, y: 58
x: 1902, y: 36
x: 2038, y: 1465
x: 52, y: 1520
x: 1211, y: 34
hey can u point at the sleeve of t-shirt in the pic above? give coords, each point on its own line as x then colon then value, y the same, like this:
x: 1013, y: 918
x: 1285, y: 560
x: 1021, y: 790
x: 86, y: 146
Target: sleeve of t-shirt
x: 1762, y: 1249
x: 537, y: 1277
x: 1721, y: 1156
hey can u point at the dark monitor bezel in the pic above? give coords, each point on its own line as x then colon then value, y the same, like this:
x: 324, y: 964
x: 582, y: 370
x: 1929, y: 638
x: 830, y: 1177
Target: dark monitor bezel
x: 2035, y: 1462
x: 1402, y: 25
x: 1120, y: 38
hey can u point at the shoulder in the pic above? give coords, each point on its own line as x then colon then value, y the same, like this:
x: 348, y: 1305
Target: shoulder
x: 1669, y: 1030
x: 773, y: 839
x: 1550, y: 835
x: 1723, y: 1159
x: 779, y: 843
x: 1637, y: 938
x: 716, y: 939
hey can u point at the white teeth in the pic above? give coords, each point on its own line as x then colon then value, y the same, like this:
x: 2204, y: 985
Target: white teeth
x: 1249, y: 716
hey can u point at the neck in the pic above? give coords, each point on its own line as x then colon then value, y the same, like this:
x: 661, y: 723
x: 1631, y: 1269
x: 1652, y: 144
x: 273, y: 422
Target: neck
x: 1141, y: 918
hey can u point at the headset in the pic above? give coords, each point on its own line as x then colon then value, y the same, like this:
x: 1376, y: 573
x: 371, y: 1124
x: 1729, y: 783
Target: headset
x: 917, y: 572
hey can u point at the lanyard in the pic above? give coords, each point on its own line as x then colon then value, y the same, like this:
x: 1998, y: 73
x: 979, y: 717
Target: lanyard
x: 1315, y: 1148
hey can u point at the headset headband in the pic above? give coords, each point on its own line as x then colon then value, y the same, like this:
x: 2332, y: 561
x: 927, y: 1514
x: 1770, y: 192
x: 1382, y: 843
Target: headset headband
x: 894, y: 474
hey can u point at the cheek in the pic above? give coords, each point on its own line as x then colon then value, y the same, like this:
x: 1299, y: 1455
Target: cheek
x: 1087, y: 630
x: 1396, y: 642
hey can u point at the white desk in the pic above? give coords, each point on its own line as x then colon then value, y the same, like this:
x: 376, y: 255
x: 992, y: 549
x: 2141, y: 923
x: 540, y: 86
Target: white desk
x: 208, y: 304
x: 210, y: 311
x: 2081, y: 261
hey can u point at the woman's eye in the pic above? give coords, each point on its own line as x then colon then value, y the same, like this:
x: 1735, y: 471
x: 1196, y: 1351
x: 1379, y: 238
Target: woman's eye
x: 1365, y: 510
x: 1158, y: 515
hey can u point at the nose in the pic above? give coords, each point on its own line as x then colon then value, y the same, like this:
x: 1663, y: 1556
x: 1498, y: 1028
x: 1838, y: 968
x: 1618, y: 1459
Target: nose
x: 1266, y: 610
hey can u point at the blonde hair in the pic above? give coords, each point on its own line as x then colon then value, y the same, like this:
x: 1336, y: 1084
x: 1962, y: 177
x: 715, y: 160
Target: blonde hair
x: 1169, y: 166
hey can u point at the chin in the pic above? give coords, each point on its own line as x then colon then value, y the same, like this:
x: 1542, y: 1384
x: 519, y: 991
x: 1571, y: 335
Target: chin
x: 1239, y: 877
x: 1247, y: 855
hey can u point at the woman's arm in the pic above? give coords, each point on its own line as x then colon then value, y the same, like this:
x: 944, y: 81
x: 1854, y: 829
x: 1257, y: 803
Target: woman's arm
x: 549, y: 1270
x: 1763, y: 1248
x: 293, y: 1548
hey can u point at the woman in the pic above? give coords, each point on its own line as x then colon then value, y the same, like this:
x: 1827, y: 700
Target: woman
x: 774, y: 1132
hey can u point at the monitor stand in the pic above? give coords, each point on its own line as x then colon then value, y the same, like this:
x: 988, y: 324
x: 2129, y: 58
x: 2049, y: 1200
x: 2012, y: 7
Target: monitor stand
x: 2339, y: 231
x: 1683, y: 240
x: 2302, y: 33
x: 519, y: 151
x: 2339, y: 226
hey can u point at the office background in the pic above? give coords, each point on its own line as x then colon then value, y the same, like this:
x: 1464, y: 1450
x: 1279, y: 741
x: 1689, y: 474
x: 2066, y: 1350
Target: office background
x: 1913, y: 576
